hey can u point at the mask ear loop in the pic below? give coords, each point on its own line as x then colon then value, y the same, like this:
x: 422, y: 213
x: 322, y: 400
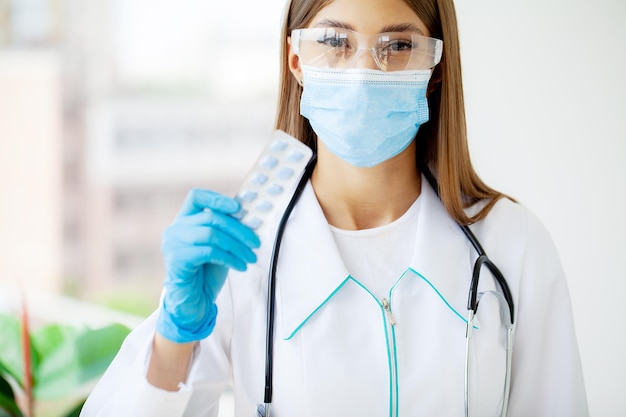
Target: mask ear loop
x: 263, y: 410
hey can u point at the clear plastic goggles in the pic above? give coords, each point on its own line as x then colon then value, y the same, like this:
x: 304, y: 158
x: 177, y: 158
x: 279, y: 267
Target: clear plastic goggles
x: 344, y: 48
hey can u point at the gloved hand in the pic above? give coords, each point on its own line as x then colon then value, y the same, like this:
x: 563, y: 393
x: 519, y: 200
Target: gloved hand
x: 199, y: 247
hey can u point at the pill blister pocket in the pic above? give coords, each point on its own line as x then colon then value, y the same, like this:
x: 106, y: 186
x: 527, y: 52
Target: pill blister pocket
x: 273, y: 179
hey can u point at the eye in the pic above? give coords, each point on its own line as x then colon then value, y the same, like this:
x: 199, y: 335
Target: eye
x: 334, y: 41
x: 400, y: 45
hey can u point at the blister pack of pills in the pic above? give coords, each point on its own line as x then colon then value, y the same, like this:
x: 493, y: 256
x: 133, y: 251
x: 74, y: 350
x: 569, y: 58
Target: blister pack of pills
x: 273, y: 179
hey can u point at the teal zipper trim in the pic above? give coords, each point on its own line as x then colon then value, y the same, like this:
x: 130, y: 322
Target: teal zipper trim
x: 434, y: 289
x: 395, y: 358
x: 392, y: 357
x: 348, y: 278
x: 332, y: 294
x: 392, y: 364
x: 395, y: 345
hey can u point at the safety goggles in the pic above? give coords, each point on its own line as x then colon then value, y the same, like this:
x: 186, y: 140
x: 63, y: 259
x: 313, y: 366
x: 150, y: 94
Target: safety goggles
x: 344, y: 48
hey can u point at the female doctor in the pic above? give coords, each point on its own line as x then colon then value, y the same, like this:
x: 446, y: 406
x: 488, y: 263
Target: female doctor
x: 373, y: 275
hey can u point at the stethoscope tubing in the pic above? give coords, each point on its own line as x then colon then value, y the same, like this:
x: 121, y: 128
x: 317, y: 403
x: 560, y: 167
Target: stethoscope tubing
x: 271, y: 284
x: 473, y: 300
x: 483, y: 259
x: 263, y: 410
x: 506, y: 317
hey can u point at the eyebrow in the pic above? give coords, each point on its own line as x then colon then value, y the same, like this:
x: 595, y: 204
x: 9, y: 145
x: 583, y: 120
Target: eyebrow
x: 401, y: 27
x: 334, y: 24
x: 396, y: 27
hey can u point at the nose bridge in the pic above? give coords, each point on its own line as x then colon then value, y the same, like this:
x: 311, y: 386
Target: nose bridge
x: 365, y: 57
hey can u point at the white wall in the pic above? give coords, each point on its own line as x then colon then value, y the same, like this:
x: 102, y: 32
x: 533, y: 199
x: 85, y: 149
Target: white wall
x: 30, y: 169
x: 546, y: 102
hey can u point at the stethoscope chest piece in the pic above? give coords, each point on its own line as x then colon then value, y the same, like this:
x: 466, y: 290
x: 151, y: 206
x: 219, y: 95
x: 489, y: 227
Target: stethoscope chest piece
x: 261, y: 410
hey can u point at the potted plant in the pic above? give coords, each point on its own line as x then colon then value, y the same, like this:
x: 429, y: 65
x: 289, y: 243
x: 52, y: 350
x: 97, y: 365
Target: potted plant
x: 55, y: 364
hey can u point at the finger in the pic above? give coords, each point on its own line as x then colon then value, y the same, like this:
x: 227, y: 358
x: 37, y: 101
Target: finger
x: 211, y: 236
x: 198, y: 256
x: 198, y: 200
x: 225, y: 223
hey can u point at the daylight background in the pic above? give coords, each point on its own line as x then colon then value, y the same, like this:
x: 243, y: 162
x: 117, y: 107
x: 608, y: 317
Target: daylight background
x: 110, y: 110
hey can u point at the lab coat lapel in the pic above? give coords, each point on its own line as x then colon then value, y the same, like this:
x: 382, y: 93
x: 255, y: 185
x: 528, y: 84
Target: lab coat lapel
x: 310, y: 269
x: 442, y: 253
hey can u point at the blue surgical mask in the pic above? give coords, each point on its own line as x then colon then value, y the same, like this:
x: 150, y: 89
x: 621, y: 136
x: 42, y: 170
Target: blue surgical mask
x: 365, y: 116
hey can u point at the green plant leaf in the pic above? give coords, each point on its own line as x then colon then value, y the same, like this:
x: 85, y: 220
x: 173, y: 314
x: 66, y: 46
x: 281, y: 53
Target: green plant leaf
x: 8, y: 406
x: 76, y: 411
x: 11, y: 349
x: 11, y: 352
x: 75, y: 359
x: 48, y: 338
x: 6, y: 413
x: 5, y: 388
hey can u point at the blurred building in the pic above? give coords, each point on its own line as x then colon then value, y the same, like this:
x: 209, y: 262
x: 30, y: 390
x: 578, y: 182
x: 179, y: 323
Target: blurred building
x: 124, y: 106
x: 30, y: 146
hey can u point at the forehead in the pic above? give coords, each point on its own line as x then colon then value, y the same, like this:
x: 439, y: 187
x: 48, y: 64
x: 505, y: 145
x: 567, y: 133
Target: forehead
x: 369, y: 16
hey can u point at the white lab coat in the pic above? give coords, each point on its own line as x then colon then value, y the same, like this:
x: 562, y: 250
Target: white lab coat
x: 336, y: 353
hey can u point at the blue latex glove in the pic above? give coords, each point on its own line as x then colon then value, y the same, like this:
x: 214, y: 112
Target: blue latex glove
x: 199, y: 248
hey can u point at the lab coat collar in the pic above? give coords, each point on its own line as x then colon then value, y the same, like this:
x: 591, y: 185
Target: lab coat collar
x: 310, y: 269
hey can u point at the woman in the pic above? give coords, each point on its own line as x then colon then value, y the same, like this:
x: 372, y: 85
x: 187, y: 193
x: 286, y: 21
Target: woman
x: 374, y: 271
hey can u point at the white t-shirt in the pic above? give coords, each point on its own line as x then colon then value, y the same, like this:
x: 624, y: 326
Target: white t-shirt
x: 378, y: 257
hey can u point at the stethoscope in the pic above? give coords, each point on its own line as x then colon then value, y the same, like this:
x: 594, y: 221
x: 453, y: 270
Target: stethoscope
x: 504, y: 299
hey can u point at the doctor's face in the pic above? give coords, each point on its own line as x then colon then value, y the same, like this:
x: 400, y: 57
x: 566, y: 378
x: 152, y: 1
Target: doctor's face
x: 361, y: 33
x: 370, y: 16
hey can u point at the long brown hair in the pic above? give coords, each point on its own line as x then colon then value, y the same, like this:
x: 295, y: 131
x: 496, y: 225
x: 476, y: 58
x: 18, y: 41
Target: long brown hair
x: 441, y: 142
